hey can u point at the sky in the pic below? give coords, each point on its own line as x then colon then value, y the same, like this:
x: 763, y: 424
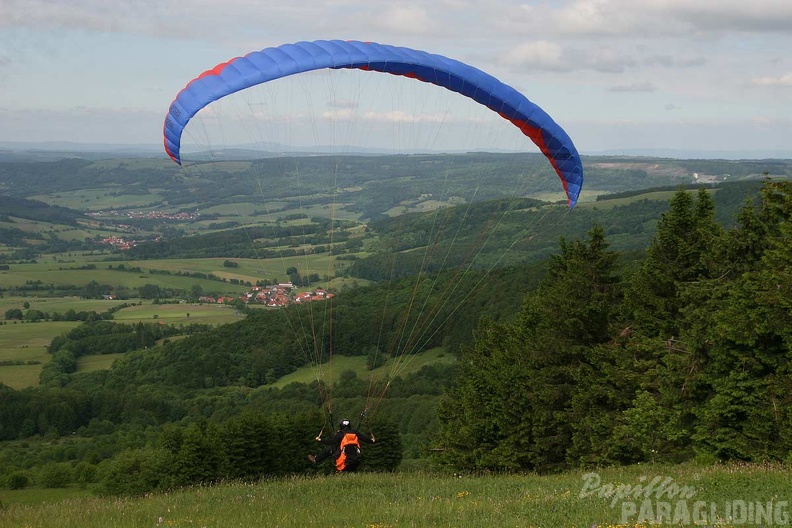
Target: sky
x: 618, y: 75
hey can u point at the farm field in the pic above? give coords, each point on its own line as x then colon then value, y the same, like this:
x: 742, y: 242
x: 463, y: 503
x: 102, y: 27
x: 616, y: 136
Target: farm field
x: 27, y: 342
x: 59, y: 304
x: 182, y: 313
x: 23, y: 342
x: 60, y: 273
x: 98, y: 199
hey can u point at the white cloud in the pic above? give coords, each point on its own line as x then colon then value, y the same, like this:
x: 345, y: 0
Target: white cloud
x: 343, y: 103
x: 403, y: 19
x: 129, y: 16
x: 540, y: 54
x: 634, y: 87
x: 704, y: 55
x: 650, y: 17
x: 394, y: 116
x: 549, y: 56
x: 782, y: 80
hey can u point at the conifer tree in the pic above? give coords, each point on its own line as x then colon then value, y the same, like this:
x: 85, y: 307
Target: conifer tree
x: 512, y: 408
x: 680, y: 252
x: 737, y: 331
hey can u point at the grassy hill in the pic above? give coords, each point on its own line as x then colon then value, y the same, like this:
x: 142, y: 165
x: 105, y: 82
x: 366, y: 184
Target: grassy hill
x: 722, y: 496
x: 357, y: 364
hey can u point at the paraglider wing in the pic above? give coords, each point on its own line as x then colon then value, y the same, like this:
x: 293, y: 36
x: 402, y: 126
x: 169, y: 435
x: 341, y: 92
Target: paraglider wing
x: 274, y: 63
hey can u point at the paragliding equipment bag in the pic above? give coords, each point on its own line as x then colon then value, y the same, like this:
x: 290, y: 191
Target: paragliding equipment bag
x: 349, y: 459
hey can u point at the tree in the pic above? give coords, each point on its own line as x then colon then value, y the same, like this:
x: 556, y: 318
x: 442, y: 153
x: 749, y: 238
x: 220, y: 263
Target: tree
x: 136, y: 471
x: 201, y: 457
x: 737, y: 331
x: 386, y: 453
x: 13, y: 313
x: 150, y: 291
x: 18, y: 480
x: 681, y: 251
x: 512, y: 407
x: 196, y: 292
x: 55, y: 475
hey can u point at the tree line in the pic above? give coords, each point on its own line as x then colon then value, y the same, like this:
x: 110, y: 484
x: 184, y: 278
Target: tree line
x: 688, y: 356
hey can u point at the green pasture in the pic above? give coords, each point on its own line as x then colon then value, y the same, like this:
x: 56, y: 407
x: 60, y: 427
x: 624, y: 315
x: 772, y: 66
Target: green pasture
x: 131, y: 163
x: 27, y: 342
x: 21, y: 376
x: 429, y: 499
x: 61, y: 273
x: 111, y: 197
x: 58, y: 304
x: 659, y: 196
x: 331, y: 372
x: 201, y: 167
x: 96, y: 362
x: 232, y: 210
x: 249, y: 270
x: 35, y: 495
x: 182, y: 313
x: 54, y: 231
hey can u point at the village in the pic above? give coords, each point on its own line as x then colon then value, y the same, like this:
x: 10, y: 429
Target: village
x: 275, y: 295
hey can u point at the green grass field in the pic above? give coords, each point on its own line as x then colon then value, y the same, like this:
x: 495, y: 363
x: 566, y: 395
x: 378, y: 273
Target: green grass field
x: 357, y: 364
x: 183, y: 313
x: 424, y: 499
x: 65, y: 273
x: 28, y: 341
x: 100, y: 362
x: 98, y: 199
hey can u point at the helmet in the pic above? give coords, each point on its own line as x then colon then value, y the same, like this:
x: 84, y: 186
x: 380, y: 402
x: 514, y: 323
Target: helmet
x: 344, y: 423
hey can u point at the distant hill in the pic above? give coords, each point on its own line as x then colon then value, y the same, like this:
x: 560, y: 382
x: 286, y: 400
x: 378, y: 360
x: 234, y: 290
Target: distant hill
x: 38, y: 211
x: 40, y: 151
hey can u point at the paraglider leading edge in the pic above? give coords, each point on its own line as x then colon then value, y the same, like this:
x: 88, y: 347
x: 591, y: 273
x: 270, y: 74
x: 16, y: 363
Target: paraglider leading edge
x: 274, y: 63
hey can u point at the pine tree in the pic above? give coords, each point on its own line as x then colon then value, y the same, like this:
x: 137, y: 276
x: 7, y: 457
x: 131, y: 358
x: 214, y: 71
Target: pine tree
x: 512, y: 407
x: 737, y: 327
x: 681, y: 252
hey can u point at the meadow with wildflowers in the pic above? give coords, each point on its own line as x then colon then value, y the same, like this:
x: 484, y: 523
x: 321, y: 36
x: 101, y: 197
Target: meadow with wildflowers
x: 417, y: 499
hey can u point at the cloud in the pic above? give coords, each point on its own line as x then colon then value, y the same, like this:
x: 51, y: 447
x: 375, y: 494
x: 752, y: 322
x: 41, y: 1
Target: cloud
x: 91, y: 15
x: 649, y: 17
x: 782, y: 80
x: 634, y: 87
x: 395, y: 116
x: 404, y: 19
x: 78, y: 123
x: 548, y: 56
x: 669, y: 61
x: 342, y: 103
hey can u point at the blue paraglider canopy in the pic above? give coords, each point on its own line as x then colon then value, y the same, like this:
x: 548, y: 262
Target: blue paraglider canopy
x: 289, y: 59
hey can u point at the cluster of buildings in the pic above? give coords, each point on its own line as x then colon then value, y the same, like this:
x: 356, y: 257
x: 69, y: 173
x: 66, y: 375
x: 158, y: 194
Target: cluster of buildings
x: 149, y: 215
x: 275, y: 295
x: 118, y: 242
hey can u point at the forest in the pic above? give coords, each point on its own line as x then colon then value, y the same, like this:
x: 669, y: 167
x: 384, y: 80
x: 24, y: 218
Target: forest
x: 686, y: 358
x: 610, y: 349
